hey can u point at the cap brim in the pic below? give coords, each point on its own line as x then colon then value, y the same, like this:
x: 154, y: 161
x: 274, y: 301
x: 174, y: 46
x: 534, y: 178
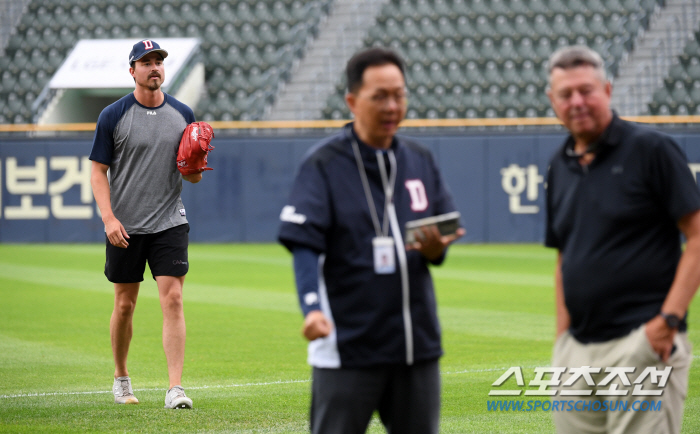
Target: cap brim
x: 160, y: 51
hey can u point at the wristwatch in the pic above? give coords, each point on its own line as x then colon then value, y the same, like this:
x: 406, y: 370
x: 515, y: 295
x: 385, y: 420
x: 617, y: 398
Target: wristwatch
x: 672, y: 321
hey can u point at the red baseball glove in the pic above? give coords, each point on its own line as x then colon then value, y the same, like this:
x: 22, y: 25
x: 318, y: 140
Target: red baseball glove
x: 194, y: 148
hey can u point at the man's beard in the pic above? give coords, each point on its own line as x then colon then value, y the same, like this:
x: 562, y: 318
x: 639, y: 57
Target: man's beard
x: 153, y: 85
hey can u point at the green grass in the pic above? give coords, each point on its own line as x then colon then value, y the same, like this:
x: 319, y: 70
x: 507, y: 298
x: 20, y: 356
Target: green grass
x: 245, y: 364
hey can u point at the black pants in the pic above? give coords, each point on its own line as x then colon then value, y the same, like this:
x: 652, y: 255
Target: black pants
x: 407, y: 398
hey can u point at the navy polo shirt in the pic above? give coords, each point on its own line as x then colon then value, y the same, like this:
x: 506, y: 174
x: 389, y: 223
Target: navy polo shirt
x: 615, y: 224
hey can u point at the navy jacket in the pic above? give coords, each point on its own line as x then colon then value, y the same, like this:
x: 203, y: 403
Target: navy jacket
x: 379, y: 319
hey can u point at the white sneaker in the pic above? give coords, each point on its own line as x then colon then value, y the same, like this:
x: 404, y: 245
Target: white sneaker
x: 123, y: 394
x: 176, y: 398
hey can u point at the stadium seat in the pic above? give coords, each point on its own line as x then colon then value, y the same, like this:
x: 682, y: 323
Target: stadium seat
x: 492, y: 74
x: 280, y: 13
x: 463, y: 9
x: 391, y: 30
x: 542, y: 26
x: 31, y: 39
x: 692, y: 47
x: 447, y: 30
x: 227, y: 15
x: 473, y: 75
x: 428, y: 30
x: 530, y: 98
x: 560, y: 26
x: 508, y: 51
x: 504, y: 28
x: 433, y: 53
x: 62, y: 18
x: 252, y: 57
x: 45, y: 18
x: 616, y: 7
x: 526, y: 51
x: 511, y: 74
x: 502, y: 8
x: 419, y: 75
x: 488, y: 51
x: 559, y: 7
x: 455, y: 99
x: 693, y: 69
x: 485, y: 29
x: 510, y: 99
x: 695, y: 93
x: 523, y: 28
x: 405, y: 9
x: 616, y: 25
x: 236, y: 80
x: 263, y: 13
x: 424, y: 9
x: 453, y: 53
x: 467, y: 30
x: 250, y: 35
x: 579, y: 27
x: 414, y: 53
x: 48, y: 39
x: 680, y: 94
x: 42, y: 79
x: 540, y: 7
x: 211, y: 36
x: 662, y: 96
x: 438, y: 76
x: 470, y: 51
x: 482, y: 9
x: 266, y: 34
x: 173, y: 31
x: 454, y: 73
x: 245, y: 14
x: 410, y: 28
x: 543, y: 48
x: 599, y: 7
x: 443, y: 9
x: 9, y: 82
x: 530, y: 75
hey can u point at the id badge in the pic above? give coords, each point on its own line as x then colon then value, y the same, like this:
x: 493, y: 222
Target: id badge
x: 384, y: 257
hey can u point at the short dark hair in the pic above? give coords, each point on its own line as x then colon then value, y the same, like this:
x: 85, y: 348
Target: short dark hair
x: 362, y: 60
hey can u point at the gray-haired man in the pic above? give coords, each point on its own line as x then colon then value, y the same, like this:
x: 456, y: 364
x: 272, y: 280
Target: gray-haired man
x: 619, y: 195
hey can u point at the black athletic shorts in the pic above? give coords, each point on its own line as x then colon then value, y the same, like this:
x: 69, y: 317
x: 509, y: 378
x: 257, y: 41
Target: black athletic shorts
x: 165, y: 252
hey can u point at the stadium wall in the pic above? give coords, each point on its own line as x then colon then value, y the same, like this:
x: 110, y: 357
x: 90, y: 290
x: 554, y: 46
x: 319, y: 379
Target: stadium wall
x: 497, y: 181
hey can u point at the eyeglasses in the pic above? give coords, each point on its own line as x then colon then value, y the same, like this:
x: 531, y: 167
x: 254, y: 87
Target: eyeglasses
x: 383, y: 99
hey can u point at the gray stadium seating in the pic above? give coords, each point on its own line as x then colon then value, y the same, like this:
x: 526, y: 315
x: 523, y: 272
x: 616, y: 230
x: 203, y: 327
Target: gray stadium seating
x: 465, y: 58
x: 497, y: 49
x: 680, y: 92
x: 252, y: 43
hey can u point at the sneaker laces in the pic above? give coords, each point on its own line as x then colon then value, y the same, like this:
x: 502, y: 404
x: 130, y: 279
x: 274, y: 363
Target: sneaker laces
x: 177, y: 392
x: 125, y: 388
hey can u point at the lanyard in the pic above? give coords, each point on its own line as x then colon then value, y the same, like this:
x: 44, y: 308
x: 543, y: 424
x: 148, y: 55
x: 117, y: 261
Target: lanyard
x: 388, y: 183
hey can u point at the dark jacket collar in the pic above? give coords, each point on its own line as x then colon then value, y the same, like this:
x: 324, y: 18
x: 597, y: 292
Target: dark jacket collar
x: 367, y: 151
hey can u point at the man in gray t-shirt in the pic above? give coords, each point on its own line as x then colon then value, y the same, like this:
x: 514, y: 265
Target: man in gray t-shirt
x: 137, y: 189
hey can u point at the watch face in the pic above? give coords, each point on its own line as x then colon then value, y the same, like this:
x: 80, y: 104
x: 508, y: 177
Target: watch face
x: 672, y: 320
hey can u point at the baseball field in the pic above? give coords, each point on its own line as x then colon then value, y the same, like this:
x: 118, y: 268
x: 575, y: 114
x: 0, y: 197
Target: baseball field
x: 245, y: 363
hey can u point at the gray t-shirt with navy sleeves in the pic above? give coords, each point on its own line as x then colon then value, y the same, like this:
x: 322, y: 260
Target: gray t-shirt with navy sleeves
x: 139, y: 144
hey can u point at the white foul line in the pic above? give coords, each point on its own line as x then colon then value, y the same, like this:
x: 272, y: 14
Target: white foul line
x: 227, y: 386
x: 217, y: 386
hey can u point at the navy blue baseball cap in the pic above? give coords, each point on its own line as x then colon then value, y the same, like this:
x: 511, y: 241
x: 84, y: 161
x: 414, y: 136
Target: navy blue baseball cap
x: 144, y: 47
